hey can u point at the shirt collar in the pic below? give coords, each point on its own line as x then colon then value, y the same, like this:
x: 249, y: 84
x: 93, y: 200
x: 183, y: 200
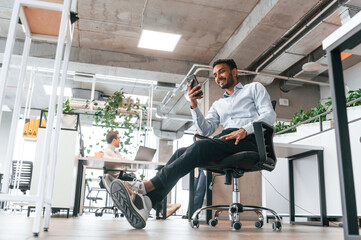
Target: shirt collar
x: 110, y: 146
x: 236, y: 89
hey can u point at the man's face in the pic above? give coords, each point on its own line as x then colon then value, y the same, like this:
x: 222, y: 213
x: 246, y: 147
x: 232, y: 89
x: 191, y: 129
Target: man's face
x: 224, y: 76
x: 116, y: 141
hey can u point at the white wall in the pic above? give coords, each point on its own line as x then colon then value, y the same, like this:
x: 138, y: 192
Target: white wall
x: 4, y: 137
x: 352, y: 77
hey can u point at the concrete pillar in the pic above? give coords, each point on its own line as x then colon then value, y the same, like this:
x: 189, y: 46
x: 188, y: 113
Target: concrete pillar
x: 164, y: 153
x: 165, y: 149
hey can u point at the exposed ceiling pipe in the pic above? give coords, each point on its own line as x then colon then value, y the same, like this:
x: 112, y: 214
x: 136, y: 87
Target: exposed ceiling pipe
x: 181, y: 85
x: 171, y: 94
x: 209, y: 68
x: 200, y: 67
x: 311, y: 24
x: 167, y: 135
x: 178, y: 117
x: 284, y: 77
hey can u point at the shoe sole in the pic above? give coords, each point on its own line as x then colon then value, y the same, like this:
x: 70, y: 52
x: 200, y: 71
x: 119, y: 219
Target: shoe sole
x: 123, y: 202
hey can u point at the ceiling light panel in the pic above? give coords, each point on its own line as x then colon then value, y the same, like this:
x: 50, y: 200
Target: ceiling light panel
x: 158, y: 40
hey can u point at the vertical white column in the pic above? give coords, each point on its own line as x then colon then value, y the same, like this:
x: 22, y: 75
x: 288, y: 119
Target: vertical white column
x: 55, y: 138
x: 29, y: 95
x: 150, y: 112
x: 91, y: 105
x: 16, y: 115
x: 8, y: 51
x: 49, y: 127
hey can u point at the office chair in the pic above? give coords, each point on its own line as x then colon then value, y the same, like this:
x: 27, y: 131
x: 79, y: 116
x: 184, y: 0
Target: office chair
x: 104, y: 185
x: 234, y: 167
x: 21, y: 175
x: 90, y: 196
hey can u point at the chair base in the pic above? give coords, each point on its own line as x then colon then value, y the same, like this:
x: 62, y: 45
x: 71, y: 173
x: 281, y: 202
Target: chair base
x: 234, y: 211
x: 99, y: 211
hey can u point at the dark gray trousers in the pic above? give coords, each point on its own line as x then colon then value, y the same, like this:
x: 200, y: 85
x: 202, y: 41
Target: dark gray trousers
x: 184, y: 160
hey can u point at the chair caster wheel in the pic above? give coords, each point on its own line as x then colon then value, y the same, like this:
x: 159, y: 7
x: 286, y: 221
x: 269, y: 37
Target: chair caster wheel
x: 46, y: 229
x: 213, y: 222
x: 116, y: 215
x: 36, y: 234
x: 277, y: 226
x: 195, y: 223
x: 236, y: 225
x: 122, y: 215
x: 258, y: 224
x: 98, y: 214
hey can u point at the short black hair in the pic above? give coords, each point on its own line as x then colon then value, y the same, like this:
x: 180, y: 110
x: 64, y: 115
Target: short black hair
x: 230, y: 63
x: 111, y: 135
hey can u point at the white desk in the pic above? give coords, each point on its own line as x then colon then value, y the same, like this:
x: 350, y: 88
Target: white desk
x: 295, y: 152
x: 118, y: 164
x: 285, y: 150
x: 348, y: 36
x: 109, y: 164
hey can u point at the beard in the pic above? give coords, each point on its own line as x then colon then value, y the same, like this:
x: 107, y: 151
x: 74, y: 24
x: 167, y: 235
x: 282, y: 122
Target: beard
x: 229, y: 82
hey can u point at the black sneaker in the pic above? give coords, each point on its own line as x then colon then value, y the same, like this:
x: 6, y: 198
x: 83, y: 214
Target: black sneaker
x: 134, y: 206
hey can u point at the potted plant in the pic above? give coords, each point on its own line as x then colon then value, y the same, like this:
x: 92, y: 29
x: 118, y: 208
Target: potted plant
x: 68, y: 117
x: 353, y: 95
x: 68, y: 120
x: 303, y: 115
x: 118, y: 112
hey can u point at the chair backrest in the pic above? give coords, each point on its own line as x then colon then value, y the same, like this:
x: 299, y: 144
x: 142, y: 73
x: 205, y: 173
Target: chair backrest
x: 264, y: 138
x: 22, y: 172
x: 87, y: 185
x: 101, y: 182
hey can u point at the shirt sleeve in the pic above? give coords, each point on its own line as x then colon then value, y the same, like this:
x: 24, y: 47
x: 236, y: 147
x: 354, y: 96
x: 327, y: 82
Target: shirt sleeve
x: 263, y: 106
x: 205, y: 125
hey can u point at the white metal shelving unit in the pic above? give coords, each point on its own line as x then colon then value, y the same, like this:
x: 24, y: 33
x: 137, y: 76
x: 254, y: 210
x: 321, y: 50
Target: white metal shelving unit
x: 43, y: 20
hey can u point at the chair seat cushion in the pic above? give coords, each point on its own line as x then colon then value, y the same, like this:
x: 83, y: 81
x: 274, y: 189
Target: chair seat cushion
x: 245, y: 161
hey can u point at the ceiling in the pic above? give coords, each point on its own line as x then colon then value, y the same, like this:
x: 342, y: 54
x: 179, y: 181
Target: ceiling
x: 269, y: 36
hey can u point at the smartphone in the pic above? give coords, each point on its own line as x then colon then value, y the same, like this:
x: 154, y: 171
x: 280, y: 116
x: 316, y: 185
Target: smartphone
x: 194, y: 83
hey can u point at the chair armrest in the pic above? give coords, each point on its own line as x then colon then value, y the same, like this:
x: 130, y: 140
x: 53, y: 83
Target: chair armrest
x: 195, y: 136
x: 264, y: 138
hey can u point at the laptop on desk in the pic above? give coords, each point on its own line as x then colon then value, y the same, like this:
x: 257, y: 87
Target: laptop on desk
x: 145, y: 154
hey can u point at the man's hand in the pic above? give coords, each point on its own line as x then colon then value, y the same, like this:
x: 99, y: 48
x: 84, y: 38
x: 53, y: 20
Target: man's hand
x: 192, y: 92
x: 238, y: 135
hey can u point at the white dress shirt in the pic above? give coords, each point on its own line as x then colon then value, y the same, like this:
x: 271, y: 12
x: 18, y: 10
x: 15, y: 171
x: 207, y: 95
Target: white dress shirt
x: 111, y: 152
x: 248, y: 104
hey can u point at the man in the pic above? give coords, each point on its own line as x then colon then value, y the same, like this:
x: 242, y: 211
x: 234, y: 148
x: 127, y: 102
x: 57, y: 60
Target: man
x: 111, y: 151
x: 236, y: 112
x: 113, y: 141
